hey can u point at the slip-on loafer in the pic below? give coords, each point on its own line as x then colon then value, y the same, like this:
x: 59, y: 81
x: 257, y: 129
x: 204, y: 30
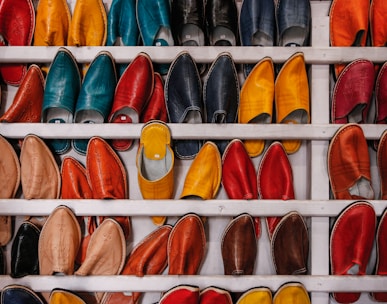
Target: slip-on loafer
x: 40, y: 174
x: 186, y: 245
x: 222, y: 22
x: 213, y: 294
x: 156, y: 108
x: 293, y: 19
x: 133, y: 91
x: 221, y: 93
x: 378, y: 33
x: 204, y: 175
x: 62, y: 296
x: 24, y: 251
x: 353, y: 92
x: 52, y: 24
x: 60, y: 234
x: 96, y: 95
x: 351, y: 242
x: 27, y: 103
x: 257, y: 26
x: 183, y: 98
x: 351, y: 30
x: 349, y: 164
x: 239, y: 175
x: 291, y: 292
x: 106, y: 252
x: 256, y: 101
x: 148, y: 257
x: 17, y: 29
x: 261, y: 295
x: 380, y: 99
x: 155, y: 164
x: 292, y: 96
x: 19, y: 294
x: 381, y: 158
x: 239, y: 246
x: 88, y: 25
x: 10, y: 173
x: 186, y: 294
x: 63, y: 83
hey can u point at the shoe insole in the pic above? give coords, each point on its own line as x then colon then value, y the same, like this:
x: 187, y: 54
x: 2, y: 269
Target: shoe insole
x: 362, y: 188
x: 126, y: 115
x: 58, y: 115
x: 154, y: 169
x: 297, y: 116
x: 356, y: 115
x: 193, y: 117
x: 222, y: 36
x: 261, y: 39
x: 293, y: 36
x: 88, y: 116
x: 192, y: 35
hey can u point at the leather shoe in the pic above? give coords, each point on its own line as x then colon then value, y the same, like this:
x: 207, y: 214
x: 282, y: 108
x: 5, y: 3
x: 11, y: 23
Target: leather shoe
x: 381, y: 98
x: 353, y: 92
x: 186, y: 245
x: 378, y: 33
x: 183, y: 98
x: 186, y: 294
x: 256, y: 295
x: 381, y: 158
x: 351, y: 244
x: 292, y: 97
x: 27, y: 103
x: 19, y: 294
x: 24, y: 251
x: 216, y: 295
x: 61, y: 296
x: 63, y: 83
x: 292, y: 292
x: 155, y: 164
x: 133, y: 91
x: 256, y: 101
x: 16, y: 29
x: 239, y: 246
x: 221, y: 93
x: 349, y: 164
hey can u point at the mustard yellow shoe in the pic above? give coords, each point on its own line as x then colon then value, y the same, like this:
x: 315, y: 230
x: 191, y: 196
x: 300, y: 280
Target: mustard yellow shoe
x: 204, y: 175
x: 256, y: 101
x: 260, y: 295
x: 292, y: 97
x: 61, y: 296
x: 291, y: 293
x: 155, y: 162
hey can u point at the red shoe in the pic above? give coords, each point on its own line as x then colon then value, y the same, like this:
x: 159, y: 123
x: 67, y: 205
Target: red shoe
x: 181, y: 294
x: 216, y: 295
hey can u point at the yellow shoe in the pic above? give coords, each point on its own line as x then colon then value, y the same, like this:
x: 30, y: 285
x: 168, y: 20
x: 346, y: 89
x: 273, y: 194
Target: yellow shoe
x: 256, y: 101
x: 260, y: 295
x: 155, y: 162
x: 291, y: 293
x: 292, y: 97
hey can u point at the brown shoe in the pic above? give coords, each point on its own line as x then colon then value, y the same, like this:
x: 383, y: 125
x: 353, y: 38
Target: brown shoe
x: 382, y: 165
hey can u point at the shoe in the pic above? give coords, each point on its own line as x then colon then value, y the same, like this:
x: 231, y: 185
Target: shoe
x: 19, y: 294
x: 10, y: 173
x: 380, y: 99
x: 292, y: 292
x: 351, y: 244
x: 133, y: 92
x: 239, y: 176
x: 257, y: 26
x: 63, y: 83
x: 292, y: 97
x: 16, y: 29
x: 256, y: 101
x: 27, y: 103
x: 221, y: 93
x: 88, y: 24
x: 186, y: 294
x: 349, y: 164
x: 186, y: 246
x: 61, y: 296
x: 353, y: 92
x: 95, y: 98
x: 381, y: 157
x: 155, y: 164
x: 256, y: 295
x: 24, y: 251
x: 74, y: 180
x: 204, y: 175
x: 52, y: 24
x: 239, y: 246
x: 40, y: 174
x: 148, y: 257
x: 293, y: 18
x: 216, y: 295
x: 222, y: 22
x: 183, y: 98
x: 349, y: 31
x: 378, y: 34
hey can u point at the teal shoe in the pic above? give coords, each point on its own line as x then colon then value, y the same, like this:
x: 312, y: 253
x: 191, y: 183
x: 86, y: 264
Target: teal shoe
x: 96, y: 95
x: 153, y: 19
x: 61, y: 91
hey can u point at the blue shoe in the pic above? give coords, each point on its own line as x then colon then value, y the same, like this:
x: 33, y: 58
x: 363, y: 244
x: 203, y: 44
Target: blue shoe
x: 18, y: 294
x: 96, y: 96
x: 221, y: 93
x: 63, y: 83
x: 183, y: 98
x: 257, y: 25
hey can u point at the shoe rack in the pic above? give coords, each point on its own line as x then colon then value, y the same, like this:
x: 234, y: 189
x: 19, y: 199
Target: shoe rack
x: 311, y: 181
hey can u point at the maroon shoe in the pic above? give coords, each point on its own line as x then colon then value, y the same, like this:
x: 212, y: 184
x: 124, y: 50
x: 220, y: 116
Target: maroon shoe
x: 381, y: 98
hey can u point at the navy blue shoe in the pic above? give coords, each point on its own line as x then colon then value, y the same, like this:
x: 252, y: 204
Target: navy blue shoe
x: 183, y: 99
x: 18, y: 294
